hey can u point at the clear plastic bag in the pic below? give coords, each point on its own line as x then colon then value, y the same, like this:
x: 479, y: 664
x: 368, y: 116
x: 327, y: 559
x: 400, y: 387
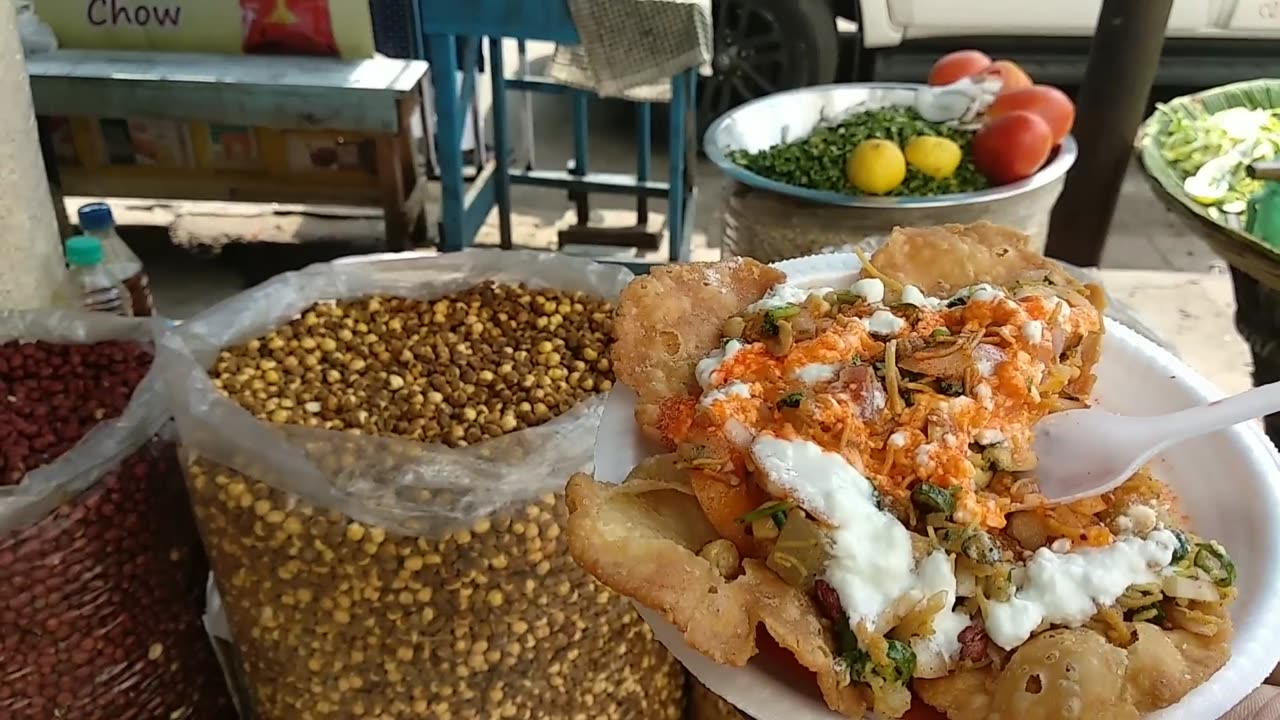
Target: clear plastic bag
x: 100, y: 563
x: 372, y: 576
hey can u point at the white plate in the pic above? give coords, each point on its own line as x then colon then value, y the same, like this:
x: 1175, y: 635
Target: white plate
x: 1229, y: 483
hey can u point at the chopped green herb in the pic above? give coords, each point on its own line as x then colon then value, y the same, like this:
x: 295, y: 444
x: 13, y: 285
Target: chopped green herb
x: 767, y: 510
x: 940, y: 333
x: 791, y: 401
x: 901, y: 666
x: 1183, y: 548
x: 773, y: 315
x: 1213, y: 559
x: 847, y: 297
x: 980, y: 548
x: 856, y: 359
x: 932, y: 499
x: 779, y: 517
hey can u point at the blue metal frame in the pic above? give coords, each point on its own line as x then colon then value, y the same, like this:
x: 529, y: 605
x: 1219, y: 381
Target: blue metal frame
x: 463, y: 210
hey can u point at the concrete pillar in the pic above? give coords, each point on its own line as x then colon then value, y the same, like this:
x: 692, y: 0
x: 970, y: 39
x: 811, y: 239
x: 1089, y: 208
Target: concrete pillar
x: 32, y: 273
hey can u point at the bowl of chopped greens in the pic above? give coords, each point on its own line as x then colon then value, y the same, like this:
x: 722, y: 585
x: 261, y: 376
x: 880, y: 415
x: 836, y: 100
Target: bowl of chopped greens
x: 793, y: 159
x: 1196, y: 150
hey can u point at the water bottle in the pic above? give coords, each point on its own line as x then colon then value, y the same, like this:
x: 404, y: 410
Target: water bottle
x: 96, y: 220
x: 98, y: 288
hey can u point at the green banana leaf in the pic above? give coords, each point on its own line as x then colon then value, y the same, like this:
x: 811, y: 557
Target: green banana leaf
x: 1241, y: 249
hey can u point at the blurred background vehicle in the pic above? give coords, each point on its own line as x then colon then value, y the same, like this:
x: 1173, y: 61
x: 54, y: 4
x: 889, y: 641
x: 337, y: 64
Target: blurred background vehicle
x: 763, y: 46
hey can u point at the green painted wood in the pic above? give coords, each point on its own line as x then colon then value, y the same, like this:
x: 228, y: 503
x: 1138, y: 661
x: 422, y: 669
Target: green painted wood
x: 273, y: 92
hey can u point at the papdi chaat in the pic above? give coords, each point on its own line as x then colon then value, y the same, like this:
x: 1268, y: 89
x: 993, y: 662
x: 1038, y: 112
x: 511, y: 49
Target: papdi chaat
x: 850, y: 469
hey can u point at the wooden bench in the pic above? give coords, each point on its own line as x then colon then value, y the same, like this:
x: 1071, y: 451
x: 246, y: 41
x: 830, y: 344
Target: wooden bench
x: 311, y: 130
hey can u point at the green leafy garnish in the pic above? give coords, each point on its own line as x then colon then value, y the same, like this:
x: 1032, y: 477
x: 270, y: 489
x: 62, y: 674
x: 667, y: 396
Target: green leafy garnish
x: 900, y: 668
x: 791, y: 401
x: 1183, y: 548
x: 773, y: 315
x: 856, y: 359
x: 847, y: 297
x: 980, y: 548
x: 940, y: 333
x: 1214, y: 561
x: 768, y: 510
x: 932, y: 499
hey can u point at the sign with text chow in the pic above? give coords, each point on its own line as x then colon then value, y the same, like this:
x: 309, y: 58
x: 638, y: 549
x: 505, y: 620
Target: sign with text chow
x: 337, y: 28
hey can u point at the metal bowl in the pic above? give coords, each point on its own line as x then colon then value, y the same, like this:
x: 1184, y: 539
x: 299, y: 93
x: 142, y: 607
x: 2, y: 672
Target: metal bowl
x: 793, y: 115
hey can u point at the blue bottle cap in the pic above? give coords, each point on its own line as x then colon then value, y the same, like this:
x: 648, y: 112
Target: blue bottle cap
x: 96, y: 217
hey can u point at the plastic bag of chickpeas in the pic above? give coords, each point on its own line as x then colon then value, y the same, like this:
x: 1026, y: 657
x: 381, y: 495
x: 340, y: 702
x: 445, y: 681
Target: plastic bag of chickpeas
x: 100, y: 563
x: 375, y: 450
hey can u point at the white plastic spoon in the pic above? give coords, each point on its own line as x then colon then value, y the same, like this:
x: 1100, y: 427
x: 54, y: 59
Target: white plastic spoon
x: 1082, y: 453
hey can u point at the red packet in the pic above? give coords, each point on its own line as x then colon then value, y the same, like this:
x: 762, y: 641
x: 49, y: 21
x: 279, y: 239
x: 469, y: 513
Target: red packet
x: 288, y: 27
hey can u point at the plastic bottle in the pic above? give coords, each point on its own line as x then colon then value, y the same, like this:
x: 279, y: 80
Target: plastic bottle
x: 96, y: 220
x: 99, y: 289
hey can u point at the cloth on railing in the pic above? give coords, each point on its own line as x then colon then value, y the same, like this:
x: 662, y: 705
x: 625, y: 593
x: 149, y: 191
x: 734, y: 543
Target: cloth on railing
x: 632, y: 48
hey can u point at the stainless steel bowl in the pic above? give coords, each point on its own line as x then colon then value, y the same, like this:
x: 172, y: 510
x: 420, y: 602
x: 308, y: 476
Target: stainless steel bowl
x: 792, y: 115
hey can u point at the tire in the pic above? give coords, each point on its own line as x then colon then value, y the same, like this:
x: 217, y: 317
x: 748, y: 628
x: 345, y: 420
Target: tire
x: 767, y: 46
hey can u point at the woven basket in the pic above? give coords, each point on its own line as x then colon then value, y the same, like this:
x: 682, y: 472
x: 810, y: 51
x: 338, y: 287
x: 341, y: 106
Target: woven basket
x: 1237, y: 247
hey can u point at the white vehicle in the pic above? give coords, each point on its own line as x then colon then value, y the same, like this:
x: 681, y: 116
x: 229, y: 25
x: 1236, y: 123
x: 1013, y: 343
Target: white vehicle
x: 763, y: 46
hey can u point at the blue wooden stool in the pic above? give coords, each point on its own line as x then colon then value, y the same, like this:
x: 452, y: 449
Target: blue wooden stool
x: 455, y: 30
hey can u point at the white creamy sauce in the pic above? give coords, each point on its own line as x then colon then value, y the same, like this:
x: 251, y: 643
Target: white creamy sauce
x: 883, y: 322
x: 735, y: 389
x: 814, y: 373
x: 988, y: 436
x: 707, y: 367
x: 935, y: 574
x: 871, y: 563
x: 738, y: 432
x: 1068, y: 588
x: 869, y: 289
x: 982, y: 392
x: 924, y: 457
x: 982, y: 292
x: 987, y: 358
x: 912, y: 295
x: 1033, y: 331
x: 783, y: 294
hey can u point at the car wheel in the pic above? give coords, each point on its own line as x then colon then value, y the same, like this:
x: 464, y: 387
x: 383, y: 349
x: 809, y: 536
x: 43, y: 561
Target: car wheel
x: 765, y: 46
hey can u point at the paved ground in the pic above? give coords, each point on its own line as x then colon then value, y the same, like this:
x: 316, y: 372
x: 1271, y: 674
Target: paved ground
x: 1145, y: 234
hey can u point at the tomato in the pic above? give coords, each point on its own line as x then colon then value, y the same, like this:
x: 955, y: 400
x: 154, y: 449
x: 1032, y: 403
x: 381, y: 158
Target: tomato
x: 1051, y: 104
x: 1012, y: 76
x: 956, y: 65
x: 1012, y: 147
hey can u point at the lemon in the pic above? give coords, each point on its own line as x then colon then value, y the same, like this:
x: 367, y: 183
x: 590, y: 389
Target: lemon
x: 934, y: 156
x: 876, y: 166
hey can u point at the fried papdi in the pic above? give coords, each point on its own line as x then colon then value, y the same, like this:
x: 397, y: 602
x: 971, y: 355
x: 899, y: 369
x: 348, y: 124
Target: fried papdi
x: 1063, y: 674
x: 644, y: 545
x: 941, y: 260
x: 670, y: 319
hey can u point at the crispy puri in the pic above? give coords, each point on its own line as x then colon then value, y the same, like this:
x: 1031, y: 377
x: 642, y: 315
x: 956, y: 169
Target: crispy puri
x: 1062, y: 674
x: 941, y: 260
x: 670, y: 319
x: 644, y: 545
x: 643, y: 538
